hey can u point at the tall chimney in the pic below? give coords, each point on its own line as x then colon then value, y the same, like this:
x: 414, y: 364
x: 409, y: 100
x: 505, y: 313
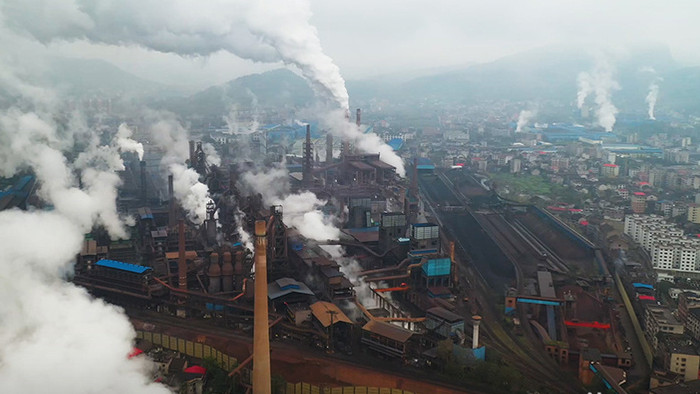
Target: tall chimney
x: 261, y: 336
x: 345, y: 144
x: 306, y: 170
x: 144, y: 194
x: 414, y: 181
x: 181, y: 262
x: 171, y: 200
x: 476, y: 320
x: 329, y: 148
x: 193, y: 157
x: 358, y: 117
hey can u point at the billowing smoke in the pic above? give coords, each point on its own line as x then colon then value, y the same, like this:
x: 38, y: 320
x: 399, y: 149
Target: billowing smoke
x: 524, y: 118
x: 584, y: 89
x: 336, y: 122
x: 600, y: 82
x: 211, y: 154
x: 651, y: 99
x: 301, y: 211
x: 169, y: 135
x: 263, y: 31
x: 125, y: 143
x: 192, y: 195
x: 45, y: 320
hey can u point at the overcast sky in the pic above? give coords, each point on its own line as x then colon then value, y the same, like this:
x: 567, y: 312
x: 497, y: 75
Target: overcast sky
x: 370, y: 37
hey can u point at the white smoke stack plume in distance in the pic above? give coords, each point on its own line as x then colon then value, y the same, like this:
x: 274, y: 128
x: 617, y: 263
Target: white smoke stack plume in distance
x: 651, y: 98
x: 602, y: 83
x: 125, y: 143
x: 524, y: 118
x: 584, y: 89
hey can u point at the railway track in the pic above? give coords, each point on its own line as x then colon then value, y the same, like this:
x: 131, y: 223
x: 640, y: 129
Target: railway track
x: 530, y: 361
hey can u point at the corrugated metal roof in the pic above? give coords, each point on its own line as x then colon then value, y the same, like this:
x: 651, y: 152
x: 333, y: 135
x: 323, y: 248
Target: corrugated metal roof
x: 137, y: 269
x: 284, y: 286
x: 388, y: 330
x: 444, y: 314
x: 322, y: 312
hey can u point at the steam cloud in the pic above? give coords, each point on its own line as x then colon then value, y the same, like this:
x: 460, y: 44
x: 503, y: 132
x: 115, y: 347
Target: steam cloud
x: 652, y: 96
x: 262, y: 31
x: 125, y: 143
x: 44, y: 320
x: 600, y: 82
x: 524, y: 118
x: 338, y: 125
x: 169, y: 135
x: 301, y: 211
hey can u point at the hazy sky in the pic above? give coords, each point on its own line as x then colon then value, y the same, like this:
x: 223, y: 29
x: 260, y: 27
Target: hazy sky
x: 370, y: 37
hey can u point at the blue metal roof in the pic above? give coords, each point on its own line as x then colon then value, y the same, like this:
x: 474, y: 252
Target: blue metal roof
x: 395, y: 143
x: 118, y: 265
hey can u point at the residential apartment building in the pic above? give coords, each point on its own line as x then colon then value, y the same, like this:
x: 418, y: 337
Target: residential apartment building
x: 659, y: 319
x: 670, y: 251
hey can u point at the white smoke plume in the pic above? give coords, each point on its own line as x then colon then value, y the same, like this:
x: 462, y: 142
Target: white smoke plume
x: 601, y: 82
x: 125, y: 143
x: 169, y: 135
x: 211, y: 154
x: 192, y: 195
x: 263, y: 31
x: 584, y: 89
x: 524, y: 118
x: 44, y: 320
x: 651, y: 99
x: 335, y: 121
x: 301, y: 211
x: 652, y: 96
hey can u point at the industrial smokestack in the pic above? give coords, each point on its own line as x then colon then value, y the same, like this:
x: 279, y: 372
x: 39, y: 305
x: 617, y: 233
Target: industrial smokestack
x: 181, y: 262
x: 414, y: 181
x: 193, y: 156
x: 171, y: 202
x: 358, y: 117
x: 144, y: 194
x: 345, y: 144
x: 476, y: 320
x: 306, y: 170
x: 329, y: 148
x: 261, y: 336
